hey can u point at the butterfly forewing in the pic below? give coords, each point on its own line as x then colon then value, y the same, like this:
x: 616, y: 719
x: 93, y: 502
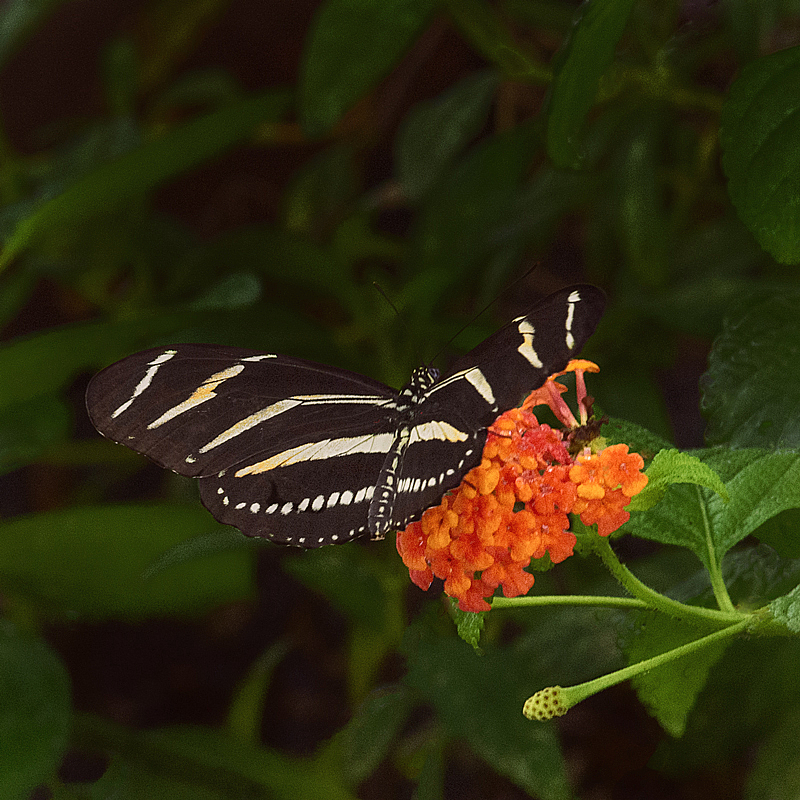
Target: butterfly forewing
x: 199, y: 409
x: 523, y: 353
x: 306, y: 454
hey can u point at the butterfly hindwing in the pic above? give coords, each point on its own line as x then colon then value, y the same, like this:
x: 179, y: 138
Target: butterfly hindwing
x: 420, y: 487
x: 307, y: 504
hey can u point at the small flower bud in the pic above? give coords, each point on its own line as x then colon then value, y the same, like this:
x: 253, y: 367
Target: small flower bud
x: 545, y: 704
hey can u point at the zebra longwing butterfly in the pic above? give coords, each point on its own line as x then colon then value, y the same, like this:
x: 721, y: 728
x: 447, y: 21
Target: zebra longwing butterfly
x: 309, y: 455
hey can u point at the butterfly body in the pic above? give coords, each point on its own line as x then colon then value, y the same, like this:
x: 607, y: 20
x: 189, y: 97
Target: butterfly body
x: 308, y: 455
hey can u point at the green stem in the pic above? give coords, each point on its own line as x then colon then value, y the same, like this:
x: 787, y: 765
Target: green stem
x: 655, y: 600
x: 569, y: 600
x: 717, y: 583
x: 589, y: 688
x: 568, y: 696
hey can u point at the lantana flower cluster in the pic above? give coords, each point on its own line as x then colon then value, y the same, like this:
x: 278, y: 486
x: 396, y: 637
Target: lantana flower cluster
x: 513, y: 507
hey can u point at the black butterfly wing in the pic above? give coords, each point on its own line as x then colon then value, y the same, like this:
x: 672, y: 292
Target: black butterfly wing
x: 198, y: 409
x: 507, y: 366
x: 493, y: 377
x: 306, y: 503
x: 273, y: 439
x: 428, y: 473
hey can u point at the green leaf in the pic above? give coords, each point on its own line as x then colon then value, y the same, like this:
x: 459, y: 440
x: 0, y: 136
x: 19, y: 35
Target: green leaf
x: 141, y: 781
x: 540, y: 14
x: 247, y: 708
x: 469, y: 625
x: 144, y: 168
x: 670, y: 691
x: 747, y: 695
x: 755, y: 575
x: 479, y: 699
x: 782, y: 533
x: 283, y: 257
x: 322, y: 190
x: 16, y: 288
x: 775, y: 775
x: 430, y: 781
x: 97, y: 145
x: 567, y: 645
x: 435, y: 131
x: 208, y: 761
x: 588, y: 54
x: 453, y: 231
x: 486, y: 30
x: 751, y: 391
x: 361, y: 585
x: 673, y: 466
x: 698, y: 304
x: 760, y: 484
x: 760, y: 127
x: 235, y: 290
x: 120, y: 76
x: 786, y: 610
x: 746, y: 25
x: 35, y: 711
x: 364, y: 743
x: 639, y: 439
x: 637, y: 191
x: 18, y: 20
x: 206, y: 87
x: 174, y: 31
x: 356, y: 239
x: 221, y: 540
x: 351, y: 46
x: 91, y: 562
x: 44, y: 363
x: 700, y: 299
x: 626, y: 386
x: 539, y: 207
x: 349, y: 577
x: 28, y: 429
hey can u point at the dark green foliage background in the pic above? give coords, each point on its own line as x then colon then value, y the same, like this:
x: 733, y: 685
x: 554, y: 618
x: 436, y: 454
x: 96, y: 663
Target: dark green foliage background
x: 243, y: 173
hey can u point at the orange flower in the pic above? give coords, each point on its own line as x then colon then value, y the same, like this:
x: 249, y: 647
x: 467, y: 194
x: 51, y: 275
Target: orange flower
x: 606, y: 482
x: 475, y: 540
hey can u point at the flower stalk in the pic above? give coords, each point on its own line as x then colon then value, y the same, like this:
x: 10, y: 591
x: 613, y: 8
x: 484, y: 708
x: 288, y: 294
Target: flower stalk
x: 655, y: 600
x: 556, y: 700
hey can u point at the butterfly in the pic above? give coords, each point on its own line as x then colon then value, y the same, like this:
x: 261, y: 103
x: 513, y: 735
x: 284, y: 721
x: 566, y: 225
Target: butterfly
x: 308, y: 455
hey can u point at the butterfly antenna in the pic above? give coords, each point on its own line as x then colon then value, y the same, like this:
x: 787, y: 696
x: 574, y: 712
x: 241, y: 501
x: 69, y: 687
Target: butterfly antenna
x: 385, y: 296
x: 485, y: 309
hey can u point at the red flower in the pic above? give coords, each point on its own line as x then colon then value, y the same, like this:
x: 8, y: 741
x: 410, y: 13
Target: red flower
x: 476, y: 542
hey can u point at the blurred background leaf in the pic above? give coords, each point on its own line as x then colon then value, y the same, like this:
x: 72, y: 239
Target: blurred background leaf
x: 93, y: 561
x: 759, y: 130
x: 35, y: 711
